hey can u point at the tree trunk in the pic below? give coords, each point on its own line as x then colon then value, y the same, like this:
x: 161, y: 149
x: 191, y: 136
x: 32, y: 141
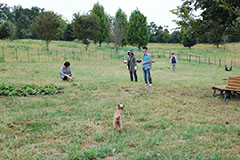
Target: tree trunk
x: 87, y: 47
x: 116, y: 49
x: 47, y: 42
x: 100, y: 44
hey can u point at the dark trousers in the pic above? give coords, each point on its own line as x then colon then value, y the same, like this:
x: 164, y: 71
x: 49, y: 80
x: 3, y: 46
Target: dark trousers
x: 135, y: 75
x: 146, y: 73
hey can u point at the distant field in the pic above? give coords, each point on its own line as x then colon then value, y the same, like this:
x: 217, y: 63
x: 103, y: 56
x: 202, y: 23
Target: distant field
x: 33, y: 51
x: 176, y: 118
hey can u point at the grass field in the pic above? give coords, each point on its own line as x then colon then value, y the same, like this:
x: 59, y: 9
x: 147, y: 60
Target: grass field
x: 176, y: 118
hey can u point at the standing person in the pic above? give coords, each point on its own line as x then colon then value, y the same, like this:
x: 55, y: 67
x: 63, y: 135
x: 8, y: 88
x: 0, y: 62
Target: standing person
x: 173, y: 61
x: 132, y: 65
x: 147, y: 66
x: 65, y: 72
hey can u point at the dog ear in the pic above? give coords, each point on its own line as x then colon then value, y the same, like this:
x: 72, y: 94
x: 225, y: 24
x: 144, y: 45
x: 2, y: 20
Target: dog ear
x: 119, y: 106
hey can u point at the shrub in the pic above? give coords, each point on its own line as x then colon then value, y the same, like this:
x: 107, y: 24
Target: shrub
x: 28, y: 89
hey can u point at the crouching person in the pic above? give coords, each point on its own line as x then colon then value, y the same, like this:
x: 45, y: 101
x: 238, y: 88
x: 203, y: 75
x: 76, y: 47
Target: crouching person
x: 65, y: 72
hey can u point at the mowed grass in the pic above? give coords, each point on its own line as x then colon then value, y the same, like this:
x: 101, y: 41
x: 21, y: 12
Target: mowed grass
x: 176, y: 118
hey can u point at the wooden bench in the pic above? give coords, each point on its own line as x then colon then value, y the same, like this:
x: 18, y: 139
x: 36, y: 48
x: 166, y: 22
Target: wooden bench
x: 231, y: 89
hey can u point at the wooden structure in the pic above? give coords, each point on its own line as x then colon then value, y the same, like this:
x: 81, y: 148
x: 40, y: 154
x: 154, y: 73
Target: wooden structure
x: 231, y: 89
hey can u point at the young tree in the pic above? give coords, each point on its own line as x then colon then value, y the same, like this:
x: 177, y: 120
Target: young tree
x: 188, y: 40
x: 98, y: 10
x: 138, y: 34
x: 119, y: 28
x: 46, y: 26
x: 86, y: 27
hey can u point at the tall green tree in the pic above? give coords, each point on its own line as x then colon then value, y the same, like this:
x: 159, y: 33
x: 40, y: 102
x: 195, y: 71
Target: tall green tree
x: 188, y: 25
x: 46, y: 26
x: 119, y: 28
x: 216, y: 19
x: 23, y: 18
x: 86, y: 28
x: 7, y: 30
x: 98, y: 10
x: 68, y: 33
x: 138, y: 34
x: 5, y: 13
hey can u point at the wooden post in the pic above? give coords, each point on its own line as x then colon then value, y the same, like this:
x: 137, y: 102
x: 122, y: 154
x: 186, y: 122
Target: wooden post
x: 65, y: 55
x: 190, y: 58
x: 28, y: 54
x: 38, y: 56
x: 209, y: 61
x: 81, y: 54
x: 3, y: 54
x: 56, y: 55
x: 16, y: 54
x: 73, y: 54
x: 220, y: 62
x: 103, y: 54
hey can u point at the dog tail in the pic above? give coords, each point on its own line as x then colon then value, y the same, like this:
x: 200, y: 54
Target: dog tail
x: 118, y: 117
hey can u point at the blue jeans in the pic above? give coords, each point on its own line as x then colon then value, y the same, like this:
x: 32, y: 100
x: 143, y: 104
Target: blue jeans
x: 146, y: 73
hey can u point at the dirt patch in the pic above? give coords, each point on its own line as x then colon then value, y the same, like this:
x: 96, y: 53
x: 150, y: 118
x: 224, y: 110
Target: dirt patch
x: 66, y: 108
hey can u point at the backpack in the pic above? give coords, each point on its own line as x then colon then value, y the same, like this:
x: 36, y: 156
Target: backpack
x: 173, y: 60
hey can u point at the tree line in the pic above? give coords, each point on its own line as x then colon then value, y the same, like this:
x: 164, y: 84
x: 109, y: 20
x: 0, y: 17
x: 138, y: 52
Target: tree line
x: 218, y: 23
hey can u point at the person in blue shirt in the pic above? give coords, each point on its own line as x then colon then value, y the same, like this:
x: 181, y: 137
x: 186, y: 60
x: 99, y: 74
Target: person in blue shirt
x: 147, y: 66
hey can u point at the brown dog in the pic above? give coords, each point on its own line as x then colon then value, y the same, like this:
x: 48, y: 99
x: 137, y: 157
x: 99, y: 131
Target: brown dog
x: 118, y: 118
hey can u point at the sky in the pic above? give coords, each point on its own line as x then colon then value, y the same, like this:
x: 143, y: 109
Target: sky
x: 155, y: 10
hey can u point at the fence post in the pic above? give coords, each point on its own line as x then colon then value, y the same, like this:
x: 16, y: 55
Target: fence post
x: 220, y: 62
x: 73, y: 54
x: 65, y: 56
x: 103, y: 55
x: 81, y: 54
x: 190, y: 58
x: 3, y: 54
x: 209, y: 61
x: 16, y: 54
x: 56, y: 55
x: 28, y: 54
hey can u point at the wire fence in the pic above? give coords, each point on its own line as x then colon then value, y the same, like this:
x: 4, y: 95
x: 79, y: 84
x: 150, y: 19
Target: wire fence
x: 60, y: 55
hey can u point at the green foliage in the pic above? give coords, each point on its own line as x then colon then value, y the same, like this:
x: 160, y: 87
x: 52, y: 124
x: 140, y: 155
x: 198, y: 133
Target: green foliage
x: 120, y: 29
x: 7, y: 30
x: 103, y: 34
x: 23, y: 18
x: 138, y: 34
x: 68, y: 35
x: 46, y: 26
x: 188, y: 40
x: 28, y: 89
x: 86, y: 27
x: 217, y: 20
